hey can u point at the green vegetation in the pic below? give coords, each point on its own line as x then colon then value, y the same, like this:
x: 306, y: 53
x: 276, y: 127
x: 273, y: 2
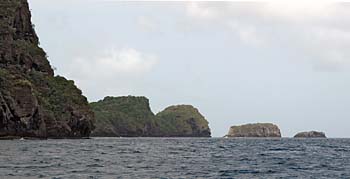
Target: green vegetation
x: 123, y: 116
x: 132, y: 116
x: 29, y: 48
x: 59, y: 95
x: 7, y: 11
x: 34, y: 102
x: 23, y: 82
x: 182, y: 120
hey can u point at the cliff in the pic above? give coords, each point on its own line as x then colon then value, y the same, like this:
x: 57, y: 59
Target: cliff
x: 132, y: 117
x: 123, y: 116
x: 310, y: 134
x: 255, y: 130
x: 182, y: 121
x: 34, y: 102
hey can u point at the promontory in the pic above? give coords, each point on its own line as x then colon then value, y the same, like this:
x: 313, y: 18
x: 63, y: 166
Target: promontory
x: 254, y: 130
x: 33, y: 101
x: 131, y: 116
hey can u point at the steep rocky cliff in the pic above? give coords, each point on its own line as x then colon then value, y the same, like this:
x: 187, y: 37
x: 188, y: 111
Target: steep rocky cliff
x: 34, y: 102
x: 310, y: 134
x: 131, y: 116
x: 255, y: 130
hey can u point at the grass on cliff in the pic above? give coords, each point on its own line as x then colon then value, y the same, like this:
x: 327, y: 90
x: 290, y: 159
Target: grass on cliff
x: 7, y: 11
x: 131, y: 113
x: 32, y: 49
x: 58, y: 94
x: 177, y: 119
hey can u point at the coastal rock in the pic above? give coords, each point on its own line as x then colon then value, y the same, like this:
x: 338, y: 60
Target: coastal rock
x: 127, y: 116
x: 255, y: 130
x: 34, y: 102
x: 131, y: 116
x: 183, y: 121
x: 310, y: 134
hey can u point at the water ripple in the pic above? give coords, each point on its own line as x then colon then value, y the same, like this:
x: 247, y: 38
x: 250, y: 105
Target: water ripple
x: 175, y: 158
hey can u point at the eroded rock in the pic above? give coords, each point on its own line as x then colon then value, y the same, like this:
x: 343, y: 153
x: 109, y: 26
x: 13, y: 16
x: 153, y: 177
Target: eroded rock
x: 310, y: 134
x: 255, y: 130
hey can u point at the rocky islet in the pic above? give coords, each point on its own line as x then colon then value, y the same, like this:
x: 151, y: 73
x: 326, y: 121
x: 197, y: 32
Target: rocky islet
x: 255, y: 130
x: 310, y: 134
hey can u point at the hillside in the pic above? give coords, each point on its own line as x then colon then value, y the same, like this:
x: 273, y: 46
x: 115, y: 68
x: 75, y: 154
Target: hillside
x: 34, y: 102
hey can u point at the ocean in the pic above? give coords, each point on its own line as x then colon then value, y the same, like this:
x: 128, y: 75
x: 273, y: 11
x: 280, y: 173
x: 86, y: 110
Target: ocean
x: 175, y: 158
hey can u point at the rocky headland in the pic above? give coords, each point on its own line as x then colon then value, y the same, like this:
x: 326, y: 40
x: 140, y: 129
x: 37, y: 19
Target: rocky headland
x: 310, y: 134
x: 123, y: 117
x: 182, y: 121
x: 131, y: 116
x: 254, y: 130
x: 34, y: 102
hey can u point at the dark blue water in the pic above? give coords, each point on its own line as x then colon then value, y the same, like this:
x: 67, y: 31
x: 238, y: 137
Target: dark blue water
x: 175, y: 158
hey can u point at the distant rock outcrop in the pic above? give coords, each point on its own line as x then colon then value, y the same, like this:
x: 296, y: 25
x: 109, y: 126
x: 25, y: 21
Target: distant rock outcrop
x: 131, y: 116
x: 182, y: 121
x: 255, y: 130
x: 34, y: 102
x: 310, y: 134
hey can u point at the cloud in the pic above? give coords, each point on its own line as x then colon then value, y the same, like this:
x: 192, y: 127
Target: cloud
x: 147, y: 24
x: 318, y: 31
x: 112, y: 63
x: 247, y: 33
x: 298, y: 9
x: 200, y: 10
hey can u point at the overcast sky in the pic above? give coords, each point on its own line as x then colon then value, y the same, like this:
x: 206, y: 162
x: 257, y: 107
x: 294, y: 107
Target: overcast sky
x: 286, y: 63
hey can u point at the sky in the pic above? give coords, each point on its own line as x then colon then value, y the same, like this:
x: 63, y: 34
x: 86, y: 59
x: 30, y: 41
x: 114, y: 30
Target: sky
x: 285, y: 62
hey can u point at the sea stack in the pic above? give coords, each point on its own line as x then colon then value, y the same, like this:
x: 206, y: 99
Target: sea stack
x: 33, y: 101
x: 310, y: 134
x: 255, y: 130
x: 183, y: 121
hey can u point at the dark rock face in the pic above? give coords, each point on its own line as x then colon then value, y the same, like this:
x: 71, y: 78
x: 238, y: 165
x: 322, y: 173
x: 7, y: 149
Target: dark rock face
x: 33, y: 102
x: 310, y: 134
x: 255, y: 130
x: 132, y: 117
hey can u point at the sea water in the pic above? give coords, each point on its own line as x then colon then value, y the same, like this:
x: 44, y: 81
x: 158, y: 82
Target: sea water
x: 175, y: 158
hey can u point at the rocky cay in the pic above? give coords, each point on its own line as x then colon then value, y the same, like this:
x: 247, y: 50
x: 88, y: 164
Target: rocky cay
x: 310, y: 134
x: 131, y: 116
x: 34, y: 102
x: 254, y: 130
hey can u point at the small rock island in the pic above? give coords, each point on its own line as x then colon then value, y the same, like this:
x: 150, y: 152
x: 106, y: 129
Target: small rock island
x: 255, y: 130
x: 131, y: 116
x: 310, y: 134
x: 182, y: 121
